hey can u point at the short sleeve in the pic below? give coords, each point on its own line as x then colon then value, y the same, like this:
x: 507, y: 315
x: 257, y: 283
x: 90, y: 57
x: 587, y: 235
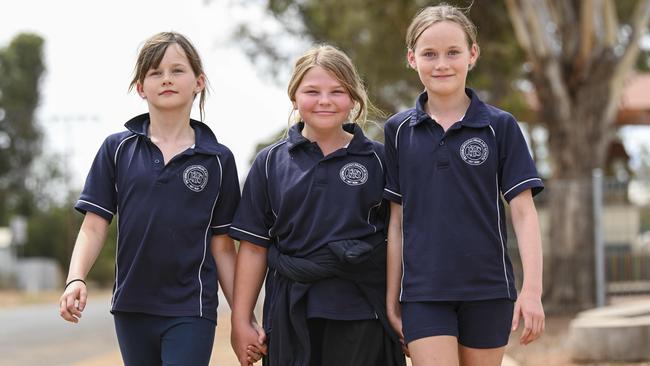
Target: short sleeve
x: 392, y: 190
x: 99, y: 194
x: 517, y: 169
x: 254, y: 216
x: 229, y: 195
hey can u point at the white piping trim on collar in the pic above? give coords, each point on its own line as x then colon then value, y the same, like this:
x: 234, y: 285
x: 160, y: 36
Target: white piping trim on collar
x: 268, y: 155
x: 120, y: 146
x: 379, y: 160
x: 398, y: 128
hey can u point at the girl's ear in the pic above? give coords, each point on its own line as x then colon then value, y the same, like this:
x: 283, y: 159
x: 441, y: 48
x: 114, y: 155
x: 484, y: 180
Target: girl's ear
x: 200, y: 84
x: 140, y: 89
x: 410, y: 57
x: 473, y: 55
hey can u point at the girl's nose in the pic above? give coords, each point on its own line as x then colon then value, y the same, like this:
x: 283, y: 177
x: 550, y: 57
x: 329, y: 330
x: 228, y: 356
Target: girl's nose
x: 324, y: 99
x: 441, y: 64
x: 166, y: 78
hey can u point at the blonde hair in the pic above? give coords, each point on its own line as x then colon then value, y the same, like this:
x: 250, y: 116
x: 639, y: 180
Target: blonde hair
x: 430, y: 15
x: 340, y: 66
x: 153, y: 51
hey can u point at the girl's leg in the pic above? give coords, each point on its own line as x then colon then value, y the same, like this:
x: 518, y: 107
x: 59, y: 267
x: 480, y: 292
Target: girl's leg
x: 431, y: 332
x: 484, y: 328
x: 481, y: 356
x: 434, y: 351
x: 139, y: 338
x: 187, y: 341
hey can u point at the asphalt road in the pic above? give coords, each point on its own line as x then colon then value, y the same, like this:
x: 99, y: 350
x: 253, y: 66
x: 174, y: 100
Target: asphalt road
x: 36, y: 335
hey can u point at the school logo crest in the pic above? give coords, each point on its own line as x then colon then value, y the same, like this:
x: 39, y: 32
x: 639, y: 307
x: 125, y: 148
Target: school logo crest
x: 474, y: 151
x: 195, y: 177
x: 354, y: 174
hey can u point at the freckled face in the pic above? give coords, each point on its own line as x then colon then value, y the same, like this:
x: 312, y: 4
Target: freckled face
x: 321, y: 100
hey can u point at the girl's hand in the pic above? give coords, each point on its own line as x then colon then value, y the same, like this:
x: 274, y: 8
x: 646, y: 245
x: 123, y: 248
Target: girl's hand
x: 255, y: 352
x: 395, y: 320
x: 248, y: 342
x: 73, y: 301
x: 529, y: 306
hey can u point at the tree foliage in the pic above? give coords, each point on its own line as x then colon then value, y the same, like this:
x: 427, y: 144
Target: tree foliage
x: 21, y: 67
x: 373, y: 32
x: 580, y: 54
x: 574, y: 53
x: 31, y: 184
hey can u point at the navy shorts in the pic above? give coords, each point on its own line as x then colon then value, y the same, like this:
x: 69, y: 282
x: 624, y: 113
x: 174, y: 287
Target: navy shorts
x: 159, y: 340
x: 476, y: 324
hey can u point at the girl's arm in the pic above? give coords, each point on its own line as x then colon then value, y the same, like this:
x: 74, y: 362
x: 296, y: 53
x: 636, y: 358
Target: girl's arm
x: 223, y: 251
x: 394, y: 271
x: 529, y: 302
x: 249, y: 276
x: 86, y: 249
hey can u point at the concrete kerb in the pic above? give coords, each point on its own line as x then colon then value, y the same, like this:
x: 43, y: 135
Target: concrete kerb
x: 617, y: 333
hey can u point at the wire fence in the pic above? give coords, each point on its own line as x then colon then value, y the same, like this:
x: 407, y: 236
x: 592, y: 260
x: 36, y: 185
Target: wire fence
x: 624, y: 210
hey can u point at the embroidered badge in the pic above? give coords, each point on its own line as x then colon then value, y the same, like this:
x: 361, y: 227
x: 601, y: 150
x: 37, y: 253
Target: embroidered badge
x: 354, y: 174
x: 195, y: 177
x: 474, y: 151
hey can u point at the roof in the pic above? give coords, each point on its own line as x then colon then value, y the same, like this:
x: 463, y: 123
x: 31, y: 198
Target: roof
x: 634, y: 107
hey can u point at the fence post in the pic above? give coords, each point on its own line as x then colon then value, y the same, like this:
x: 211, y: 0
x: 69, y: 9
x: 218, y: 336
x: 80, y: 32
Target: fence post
x: 597, y: 184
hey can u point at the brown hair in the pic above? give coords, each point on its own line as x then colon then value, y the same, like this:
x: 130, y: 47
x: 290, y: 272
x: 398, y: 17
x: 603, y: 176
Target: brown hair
x: 339, y: 64
x: 153, y: 51
x: 430, y: 15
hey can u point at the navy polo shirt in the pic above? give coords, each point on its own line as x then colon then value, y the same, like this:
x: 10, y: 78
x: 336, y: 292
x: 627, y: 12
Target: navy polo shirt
x: 450, y: 185
x: 166, y: 217
x: 298, y: 199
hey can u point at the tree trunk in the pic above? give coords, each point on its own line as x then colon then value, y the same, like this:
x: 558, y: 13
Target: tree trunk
x: 578, y: 137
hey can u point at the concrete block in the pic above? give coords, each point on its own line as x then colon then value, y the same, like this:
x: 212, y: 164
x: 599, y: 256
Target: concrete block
x: 618, y: 333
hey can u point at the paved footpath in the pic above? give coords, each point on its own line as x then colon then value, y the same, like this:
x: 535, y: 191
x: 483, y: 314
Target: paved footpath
x: 35, y: 335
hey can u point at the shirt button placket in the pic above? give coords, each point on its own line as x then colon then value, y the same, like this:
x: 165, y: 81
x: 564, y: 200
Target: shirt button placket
x: 321, y: 173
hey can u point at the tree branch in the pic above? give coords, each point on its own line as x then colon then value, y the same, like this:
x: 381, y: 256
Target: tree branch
x: 639, y: 23
x: 538, y: 17
x: 539, y: 43
x: 611, y: 23
x: 521, y: 32
x: 587, y: 14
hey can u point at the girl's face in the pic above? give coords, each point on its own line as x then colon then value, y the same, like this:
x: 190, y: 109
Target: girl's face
x: 442, y: 58
x: 321, y: 100
x: 172, y: 85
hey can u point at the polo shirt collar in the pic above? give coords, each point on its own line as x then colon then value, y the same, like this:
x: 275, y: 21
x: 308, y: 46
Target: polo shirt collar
x: 476, y: 115
x: 359, y: 144
x: 205, y: 142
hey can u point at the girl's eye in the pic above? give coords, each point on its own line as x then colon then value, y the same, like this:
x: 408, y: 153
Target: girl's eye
x: 177, y: 71
x: 338, y: 92
x: 154, y: 73
x: 311, y: 92
x: 454, y: 52
x: 428, y: 54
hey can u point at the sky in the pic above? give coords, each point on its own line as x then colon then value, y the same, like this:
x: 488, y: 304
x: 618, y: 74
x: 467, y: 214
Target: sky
x: 90, y: 51
x: 91, y: 48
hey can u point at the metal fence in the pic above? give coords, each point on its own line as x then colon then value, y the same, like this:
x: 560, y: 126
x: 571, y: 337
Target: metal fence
x: 621, y: 210
x: 625, y: 210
